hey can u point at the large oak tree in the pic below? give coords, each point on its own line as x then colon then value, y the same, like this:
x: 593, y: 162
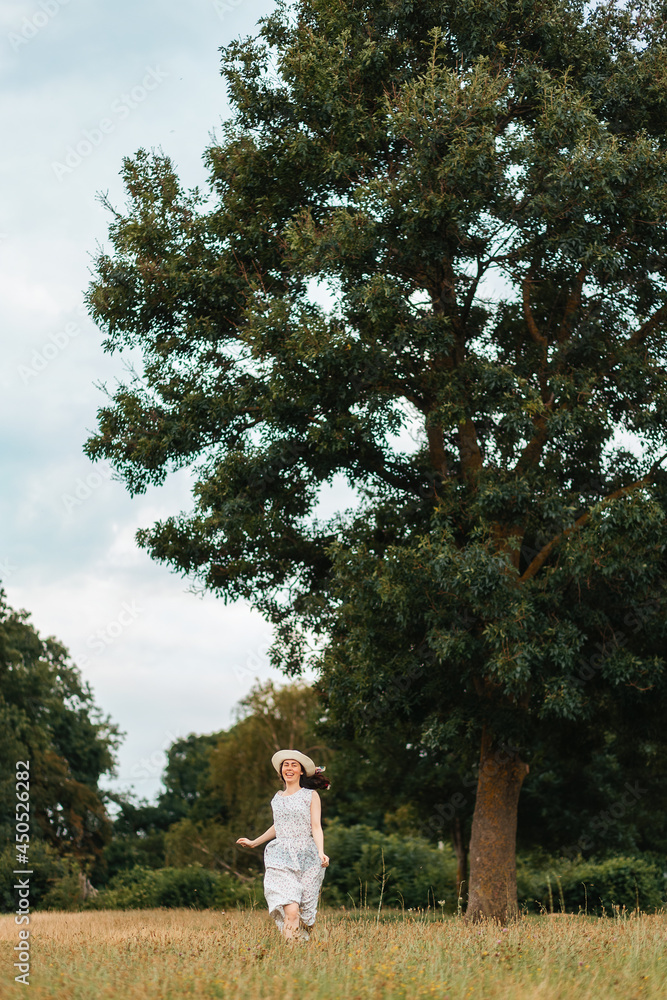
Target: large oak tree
x: 480, y: 185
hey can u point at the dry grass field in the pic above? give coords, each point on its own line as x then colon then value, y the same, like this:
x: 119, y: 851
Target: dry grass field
x: 171, y: 954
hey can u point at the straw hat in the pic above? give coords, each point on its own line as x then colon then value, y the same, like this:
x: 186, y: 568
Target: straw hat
x: 282, y: 755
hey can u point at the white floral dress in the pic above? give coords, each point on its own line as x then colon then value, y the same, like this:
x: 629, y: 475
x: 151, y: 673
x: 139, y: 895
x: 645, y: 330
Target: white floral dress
x: 294, y: 872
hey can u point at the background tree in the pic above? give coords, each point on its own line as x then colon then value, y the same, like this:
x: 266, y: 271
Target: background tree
x: 140, y: 827
x: 186, y: 779
x: 48, y: 717
x: 481, y: 187
x: 218, y: 783
x: 216, y: 786
x: 137, y: 839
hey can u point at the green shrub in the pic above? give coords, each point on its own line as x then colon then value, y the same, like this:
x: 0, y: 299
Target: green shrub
x: 64, y: 894
x: 196, y: 887
x: 591, y: 886
x: 54, y: 883
x: 127, y: 851
x: 416, y: 873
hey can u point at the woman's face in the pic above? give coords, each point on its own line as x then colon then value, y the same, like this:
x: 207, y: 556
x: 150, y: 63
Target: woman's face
x: 291, y: 769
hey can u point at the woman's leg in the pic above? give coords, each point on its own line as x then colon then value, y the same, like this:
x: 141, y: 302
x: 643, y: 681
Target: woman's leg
x: 291, y: 925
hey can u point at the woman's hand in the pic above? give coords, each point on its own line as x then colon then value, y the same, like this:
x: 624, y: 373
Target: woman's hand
x: 244, y: 842
x: 324, y: 859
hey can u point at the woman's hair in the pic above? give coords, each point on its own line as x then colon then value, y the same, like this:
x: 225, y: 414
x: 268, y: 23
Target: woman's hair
x: 317, y: 780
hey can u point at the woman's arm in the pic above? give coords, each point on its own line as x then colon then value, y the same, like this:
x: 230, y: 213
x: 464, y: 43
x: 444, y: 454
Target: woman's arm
x: 316, y: 827
x: 269, y: 835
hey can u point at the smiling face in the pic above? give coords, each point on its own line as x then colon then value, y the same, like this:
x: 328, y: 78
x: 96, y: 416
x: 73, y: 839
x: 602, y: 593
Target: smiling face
x: 291, y: 769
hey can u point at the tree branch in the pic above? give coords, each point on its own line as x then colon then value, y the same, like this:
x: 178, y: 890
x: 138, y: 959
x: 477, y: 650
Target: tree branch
x: 436, y: 449
x: 198, y: 845
x: 528, y: 316
x: 532, y: 452
x: 544, y: 553
x: 640, y: 335
x: 469, y: 453
x: 472, y: 291
x: 573, y: 303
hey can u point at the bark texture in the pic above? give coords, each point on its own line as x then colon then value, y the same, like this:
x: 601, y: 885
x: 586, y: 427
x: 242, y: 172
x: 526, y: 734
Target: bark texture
x: 492, y: 893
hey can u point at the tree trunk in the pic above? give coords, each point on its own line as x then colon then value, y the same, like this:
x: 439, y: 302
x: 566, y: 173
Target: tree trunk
x: 461, y: 851
x: 86, y: 888
x: 493, y: 839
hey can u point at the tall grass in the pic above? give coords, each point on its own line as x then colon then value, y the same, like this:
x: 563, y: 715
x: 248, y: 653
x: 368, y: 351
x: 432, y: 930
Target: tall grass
x: 170, y: 954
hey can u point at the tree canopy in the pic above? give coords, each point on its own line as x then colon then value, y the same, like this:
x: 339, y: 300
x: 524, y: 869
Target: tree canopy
x: 48, y: 717
x: 480, y: 186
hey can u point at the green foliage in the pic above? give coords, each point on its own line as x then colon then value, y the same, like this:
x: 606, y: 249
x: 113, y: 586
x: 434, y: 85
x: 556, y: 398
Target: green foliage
x: 196, y: 887
x: 137, y: 838
x: 65, y: 893
x: 186, y: 779
x: 128, y: 850
x: 616, y: 804
x: 207, y: 844
x: 592, y: 886
x: 48, y: 717
x: 415, y: 873
x: 54, y: 876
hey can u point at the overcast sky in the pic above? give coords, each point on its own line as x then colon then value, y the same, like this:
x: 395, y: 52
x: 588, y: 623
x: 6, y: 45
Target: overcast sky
x: 104, y: 77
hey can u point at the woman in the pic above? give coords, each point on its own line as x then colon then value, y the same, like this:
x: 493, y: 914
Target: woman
x: 294, y: 859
